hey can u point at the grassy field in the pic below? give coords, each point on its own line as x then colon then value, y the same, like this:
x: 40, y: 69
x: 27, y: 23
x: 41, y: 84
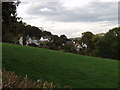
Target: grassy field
x: 60, y: 67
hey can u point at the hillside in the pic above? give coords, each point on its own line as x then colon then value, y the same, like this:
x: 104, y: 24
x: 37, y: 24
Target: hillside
x: 60, y: 67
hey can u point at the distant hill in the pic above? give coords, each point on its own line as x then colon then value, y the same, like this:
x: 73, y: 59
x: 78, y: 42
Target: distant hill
x: 60, y: 67
x: 76, y: 38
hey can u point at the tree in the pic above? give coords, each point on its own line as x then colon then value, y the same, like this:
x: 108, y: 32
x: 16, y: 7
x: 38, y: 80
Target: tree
x: 95, y: 39
x: 87, y: 39
x: 108, y: 45
x: 46, y: 33
x: 69, y: 48
x: 63, y: 36
x: 56, y: 40
x: 9, y: 19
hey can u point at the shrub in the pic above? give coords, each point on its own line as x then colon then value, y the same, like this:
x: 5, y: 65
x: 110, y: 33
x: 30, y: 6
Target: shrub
x: 11, y: 80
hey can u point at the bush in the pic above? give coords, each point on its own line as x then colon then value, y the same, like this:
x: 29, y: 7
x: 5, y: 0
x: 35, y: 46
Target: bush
x: 11, y: 80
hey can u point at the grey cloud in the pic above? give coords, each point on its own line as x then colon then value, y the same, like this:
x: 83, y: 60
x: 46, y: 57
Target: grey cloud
x: 53, y: 6
x: 95, y: 11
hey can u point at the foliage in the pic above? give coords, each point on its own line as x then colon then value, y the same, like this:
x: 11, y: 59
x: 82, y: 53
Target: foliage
x: 69, y: 48
x: 87, y: 39
x: 102, y: 45
x: 11, y: 80
x: 9, y: 19
x: 108, y: 45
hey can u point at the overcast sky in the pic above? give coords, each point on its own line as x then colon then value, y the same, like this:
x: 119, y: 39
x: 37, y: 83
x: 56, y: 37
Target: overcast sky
x: 70, y: 17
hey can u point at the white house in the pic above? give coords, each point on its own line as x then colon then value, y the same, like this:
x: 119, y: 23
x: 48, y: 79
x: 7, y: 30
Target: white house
x: 78, y: 47
x: 21, y: 41
x: 42, y: 39
x: 32, y: 40
x: 84, y: 45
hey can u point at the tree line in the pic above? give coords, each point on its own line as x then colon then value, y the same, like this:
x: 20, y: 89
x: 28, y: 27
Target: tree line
x: 105, y: 45
x: 102, y: 45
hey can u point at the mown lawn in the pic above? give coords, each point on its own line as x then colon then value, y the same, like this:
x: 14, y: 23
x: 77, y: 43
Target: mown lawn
x: 60, y: 67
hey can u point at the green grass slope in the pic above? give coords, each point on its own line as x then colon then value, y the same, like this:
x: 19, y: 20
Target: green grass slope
x: 60, y: 67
